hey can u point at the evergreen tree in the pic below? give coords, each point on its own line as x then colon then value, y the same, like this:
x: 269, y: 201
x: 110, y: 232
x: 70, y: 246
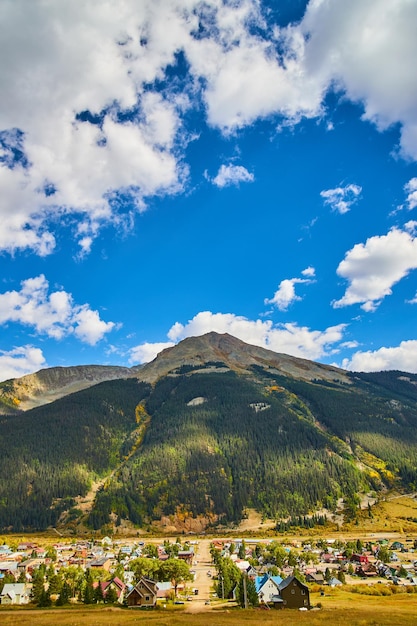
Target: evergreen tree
x: 88, y: 597
x: 8, y: 578
x: 64, y: 596
x: 38, y: 585
x: 341, y: 576
x: 242, y: 551
x: 44, y: 599
x: 55, y: 584
x: 98, y: 593
x: 111, y: 595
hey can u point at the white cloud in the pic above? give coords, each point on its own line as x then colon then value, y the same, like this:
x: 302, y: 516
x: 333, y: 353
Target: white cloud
x: 288, y: 338
x: 411, y: 190
x: 20, y: 361
x: 55, y: 315
x: 285, y: 294
x: 62, y: 59
x: 402, y: 357
x: 374, y: 267
x: 232, y: 175
x: 341, y: 198
x: 309, y: 271
x: 349, y: 344
x: 146, y: 352
x: 367, y: 49
x: 411, y: 226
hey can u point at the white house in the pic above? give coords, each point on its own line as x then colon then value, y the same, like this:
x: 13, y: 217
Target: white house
x: 267, y: 587
x: 15, y: 593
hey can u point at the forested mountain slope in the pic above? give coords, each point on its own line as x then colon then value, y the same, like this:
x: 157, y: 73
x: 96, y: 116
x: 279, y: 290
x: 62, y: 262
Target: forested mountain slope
x: 222, y: 427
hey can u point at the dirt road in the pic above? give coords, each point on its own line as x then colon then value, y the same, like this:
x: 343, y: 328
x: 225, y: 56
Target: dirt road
x: 202, y: 581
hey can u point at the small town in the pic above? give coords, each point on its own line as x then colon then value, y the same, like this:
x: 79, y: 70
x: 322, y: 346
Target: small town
x: 202, y: 574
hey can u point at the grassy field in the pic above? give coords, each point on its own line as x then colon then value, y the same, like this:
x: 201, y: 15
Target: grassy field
x: 339, y: 608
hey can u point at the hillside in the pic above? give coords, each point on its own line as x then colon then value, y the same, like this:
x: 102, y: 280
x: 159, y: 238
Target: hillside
x: 47, y: 385
x: 210, y: 427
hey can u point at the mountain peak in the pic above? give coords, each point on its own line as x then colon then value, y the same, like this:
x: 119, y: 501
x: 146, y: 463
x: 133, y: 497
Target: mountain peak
x: 224, y: 350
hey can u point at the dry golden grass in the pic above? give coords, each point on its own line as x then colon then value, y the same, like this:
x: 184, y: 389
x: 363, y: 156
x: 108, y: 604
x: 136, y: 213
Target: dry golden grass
x: 339, y: 608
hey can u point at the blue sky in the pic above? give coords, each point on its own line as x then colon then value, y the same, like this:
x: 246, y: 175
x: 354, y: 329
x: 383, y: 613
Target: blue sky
x: 172, y: 167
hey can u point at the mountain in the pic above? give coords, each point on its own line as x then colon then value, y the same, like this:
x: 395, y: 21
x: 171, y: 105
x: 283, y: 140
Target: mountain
x: 210, y: 427
x: 236, y: 355
x: 47, y: 385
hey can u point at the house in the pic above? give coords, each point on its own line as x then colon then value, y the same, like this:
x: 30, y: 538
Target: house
x: 8, y: 567
x: 26, y: 546
x: 359, y: 558
x: 28, y: 566
x: 366, y: 570
x: 106, y: 541
x: 164, y: 589
x: 15, y: 593
x: 103, y: 562
x: 251, y: 572
x: 334, y: 582
x: 266, y: 587
x: 315, y: 577
x: 143, y: 594
x: 293, y: 594
x: 187, y: 555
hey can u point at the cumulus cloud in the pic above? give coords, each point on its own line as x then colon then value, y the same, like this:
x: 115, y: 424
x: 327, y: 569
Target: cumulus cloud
x: 146, y: 352
x: 411, y: 190
x: 341, y: 198
x: 232, y: 175
x: 402, y: 357
x: 55, y: 314
x: 287, y: 338
x: 87, y: 117
x: 67, y: 75
x: 285, y: 294
x: 374, y: 267
x: 20, y: 361
x: 366, y: 49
